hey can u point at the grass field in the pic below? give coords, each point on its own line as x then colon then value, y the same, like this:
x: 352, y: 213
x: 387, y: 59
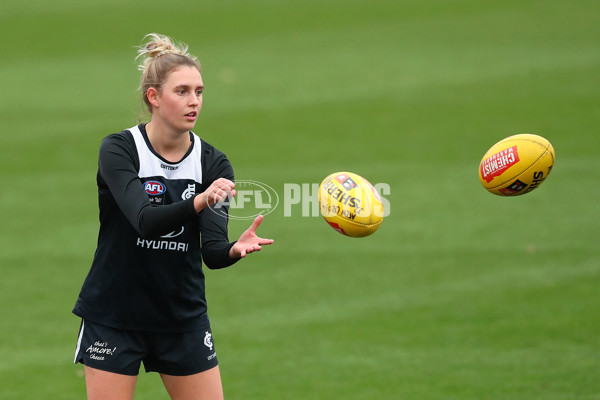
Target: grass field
x: 459, y: 295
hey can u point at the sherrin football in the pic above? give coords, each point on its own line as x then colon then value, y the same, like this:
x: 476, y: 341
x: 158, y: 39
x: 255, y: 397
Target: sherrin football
x: 350, y: 204
x: 516, y: 165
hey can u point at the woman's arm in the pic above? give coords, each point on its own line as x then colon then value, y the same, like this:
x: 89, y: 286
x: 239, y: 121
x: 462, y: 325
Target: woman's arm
x: 117, y: 169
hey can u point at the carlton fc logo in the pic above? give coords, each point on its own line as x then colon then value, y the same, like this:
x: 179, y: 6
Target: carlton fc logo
x: 208, y: 340
x: 154, y: 188
x: 189, y: 192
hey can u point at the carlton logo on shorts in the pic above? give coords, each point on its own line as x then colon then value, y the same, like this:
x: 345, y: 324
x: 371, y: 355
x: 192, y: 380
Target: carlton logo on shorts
x: 208, y: 340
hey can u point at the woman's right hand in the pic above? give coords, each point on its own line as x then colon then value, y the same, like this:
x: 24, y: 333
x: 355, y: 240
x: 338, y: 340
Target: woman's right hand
x: 218, y: 191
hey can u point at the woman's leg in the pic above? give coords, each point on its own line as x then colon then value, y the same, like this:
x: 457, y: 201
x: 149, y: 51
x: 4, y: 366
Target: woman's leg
x: 202, y: 386
x: 103, y: 385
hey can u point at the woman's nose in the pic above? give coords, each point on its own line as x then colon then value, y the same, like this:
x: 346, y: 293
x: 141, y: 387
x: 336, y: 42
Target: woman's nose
x: 194, y: 99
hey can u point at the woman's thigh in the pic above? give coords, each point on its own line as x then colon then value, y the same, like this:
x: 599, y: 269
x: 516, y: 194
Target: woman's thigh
x: 204, y: 385
x: 104, y: 385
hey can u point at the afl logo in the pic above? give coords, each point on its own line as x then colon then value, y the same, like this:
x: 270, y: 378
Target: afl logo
x: 154, y: 188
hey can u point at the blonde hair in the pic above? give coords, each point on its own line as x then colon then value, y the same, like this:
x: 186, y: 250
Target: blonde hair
x: 160, y: 55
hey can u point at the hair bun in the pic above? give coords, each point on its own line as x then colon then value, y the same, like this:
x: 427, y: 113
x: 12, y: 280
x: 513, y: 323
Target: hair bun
x: 159, y: 45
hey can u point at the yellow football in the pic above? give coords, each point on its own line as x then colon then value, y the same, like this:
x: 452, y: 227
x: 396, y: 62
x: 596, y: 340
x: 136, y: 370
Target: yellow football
x: 516, y: 165
x: 350, y: 204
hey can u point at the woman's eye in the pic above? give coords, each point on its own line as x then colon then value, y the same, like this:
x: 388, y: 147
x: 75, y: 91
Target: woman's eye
x: 198, y: 93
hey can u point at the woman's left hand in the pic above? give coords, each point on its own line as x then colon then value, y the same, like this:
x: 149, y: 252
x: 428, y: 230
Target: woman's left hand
x: 249, y: 241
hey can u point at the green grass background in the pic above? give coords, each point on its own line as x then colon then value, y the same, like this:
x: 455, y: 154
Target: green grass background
x: 459, y: 295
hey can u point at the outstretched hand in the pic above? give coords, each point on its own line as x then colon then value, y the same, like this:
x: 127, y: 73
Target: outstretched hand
x: 249, y: 241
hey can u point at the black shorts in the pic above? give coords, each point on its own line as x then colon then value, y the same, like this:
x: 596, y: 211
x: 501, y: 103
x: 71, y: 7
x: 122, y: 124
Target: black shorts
x: 122, y: 351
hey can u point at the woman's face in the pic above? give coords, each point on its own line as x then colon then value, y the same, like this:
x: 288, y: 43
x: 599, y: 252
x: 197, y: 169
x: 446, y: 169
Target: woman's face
x: 179, y: 101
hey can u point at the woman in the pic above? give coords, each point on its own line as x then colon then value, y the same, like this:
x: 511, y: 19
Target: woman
x: 158, y: 186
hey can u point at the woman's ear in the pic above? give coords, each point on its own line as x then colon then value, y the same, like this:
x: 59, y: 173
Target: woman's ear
x: 152, y: 95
